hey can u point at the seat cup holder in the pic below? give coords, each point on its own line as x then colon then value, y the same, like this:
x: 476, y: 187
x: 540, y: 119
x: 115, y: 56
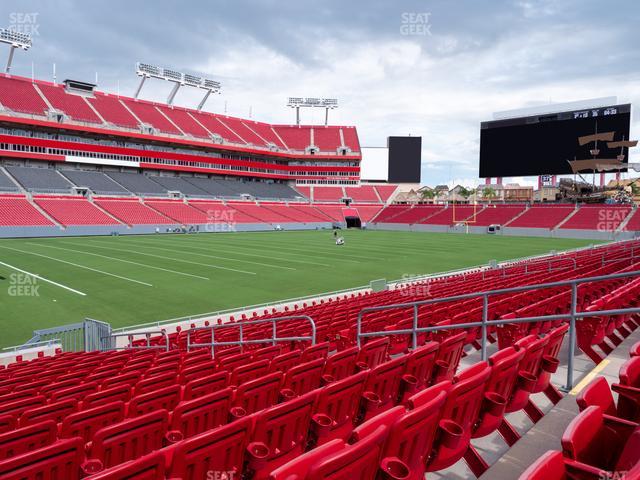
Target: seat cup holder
x: 287, y: 394
x: 495, y: 404
x: 173, y: 436
x: 408, y: 386
x: 550, y: 364
x: 450, y: 433
x: 327, y: 379
x: 526, y: 381
x: 321, y: 424
x: 371, y: 400
x: 92, y: 466
x: 392, y: 468
x: 362, y: 366
x: 236, y: 413
x: 258, y: 453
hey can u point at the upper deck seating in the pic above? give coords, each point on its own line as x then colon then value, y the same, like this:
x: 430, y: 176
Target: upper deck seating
x: 98, y: 182
x: 40, y: 179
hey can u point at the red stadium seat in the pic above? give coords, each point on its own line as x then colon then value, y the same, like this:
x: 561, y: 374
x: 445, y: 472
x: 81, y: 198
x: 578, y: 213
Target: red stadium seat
x: 411, y: 436
x: 202, y: 385
x: 249, y: 371
x: 119, y: 393
x: 203, y: 413
x: 149, y: 467
x: 127, y: 440
x: 448, y: 358
x: 164, y: 398
x: 338, y: 460
x: 340, y: 365
x: 55, y: 411
x: 258, y: 394
x: 220, y: 450
x: 304, y: 378
x: 26, y: 439
x: 460, y: 412
x: 58, y: 461
x: 373, y: 353
x: 421, y: 363
x: 382, y: 387
x: 283, y: 430
x: 86, y: 423
x: 336, y: 409
x: 584, y: 438
x: 550, y: 466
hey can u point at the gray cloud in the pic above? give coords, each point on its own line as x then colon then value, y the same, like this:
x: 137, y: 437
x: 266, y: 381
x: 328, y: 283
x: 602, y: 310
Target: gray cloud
x: 479, y: 57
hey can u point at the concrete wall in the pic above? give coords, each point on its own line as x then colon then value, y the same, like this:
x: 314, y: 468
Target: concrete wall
x: 509, y: 231
x: 93, y: 230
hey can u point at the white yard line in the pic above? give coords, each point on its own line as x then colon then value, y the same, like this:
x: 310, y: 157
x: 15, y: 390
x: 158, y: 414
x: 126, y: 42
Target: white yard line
x: 93, y: 243
x: 235, y: 252
x: 80, y: 266
x: 307, y: 253
x: 121, y: 260
x: 182, y: 247
x: 34, y: 275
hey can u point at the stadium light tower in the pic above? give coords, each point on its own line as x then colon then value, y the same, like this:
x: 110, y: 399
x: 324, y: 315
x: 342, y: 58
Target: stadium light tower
x: 14, y: 40
x: 144, y: 70
x: 312, y: 102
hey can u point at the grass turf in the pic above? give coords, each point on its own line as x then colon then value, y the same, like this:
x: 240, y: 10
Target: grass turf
x: 130, y: 280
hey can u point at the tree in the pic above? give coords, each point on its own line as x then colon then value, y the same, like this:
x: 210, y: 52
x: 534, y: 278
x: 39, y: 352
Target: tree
x: 465, y: 192
x: 428, y: 194
x: 489, y: 193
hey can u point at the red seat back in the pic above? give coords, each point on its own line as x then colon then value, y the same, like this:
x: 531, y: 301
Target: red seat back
x: 341, y: 364
x: 259, y: 393
x: 284, y: 429
x: 374, y: 352
x: 202, y: 413
x: 305, y: 377
x: 130, y: 439
x: 22, y: 440
x: 199, y: 386
x: 164, y: 398
x: 53, y: 411
x: 86, y: 423
x: 218, y: 450
x: 149, y: 467
x: 340, y: 402
x: 58, y: 461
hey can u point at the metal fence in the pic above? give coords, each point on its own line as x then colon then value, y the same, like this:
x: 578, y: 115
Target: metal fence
x: 572, y: 316
x: 241, y: 331
x: 73, y: 337
x: 110, y: 341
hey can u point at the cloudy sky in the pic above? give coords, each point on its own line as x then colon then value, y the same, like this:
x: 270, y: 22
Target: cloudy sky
x: 429, y: 68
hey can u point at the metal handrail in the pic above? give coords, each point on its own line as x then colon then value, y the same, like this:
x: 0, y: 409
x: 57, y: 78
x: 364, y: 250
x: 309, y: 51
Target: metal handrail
x: 130, y: 336
x: 42, y: 343
x: 572, y: 316
x: 241, y: 325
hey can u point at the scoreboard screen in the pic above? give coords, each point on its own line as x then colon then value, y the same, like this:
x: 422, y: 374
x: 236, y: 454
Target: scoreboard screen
x: 543, y: 144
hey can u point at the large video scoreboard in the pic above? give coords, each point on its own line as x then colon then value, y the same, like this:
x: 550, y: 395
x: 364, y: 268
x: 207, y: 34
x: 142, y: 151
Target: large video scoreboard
x: 543, y: 144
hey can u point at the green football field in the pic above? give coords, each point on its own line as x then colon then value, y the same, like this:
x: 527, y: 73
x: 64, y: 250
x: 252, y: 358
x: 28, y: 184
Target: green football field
x: 130, y: 280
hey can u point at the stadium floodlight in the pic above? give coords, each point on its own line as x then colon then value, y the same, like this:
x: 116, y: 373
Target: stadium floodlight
x: 312, y: 102
x: 144, y: 70
x: 14, y: 40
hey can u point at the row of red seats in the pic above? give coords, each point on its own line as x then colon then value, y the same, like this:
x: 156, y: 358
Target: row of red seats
x: 20, y: 94
x: 389, y: 392
x: 603, y: 441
